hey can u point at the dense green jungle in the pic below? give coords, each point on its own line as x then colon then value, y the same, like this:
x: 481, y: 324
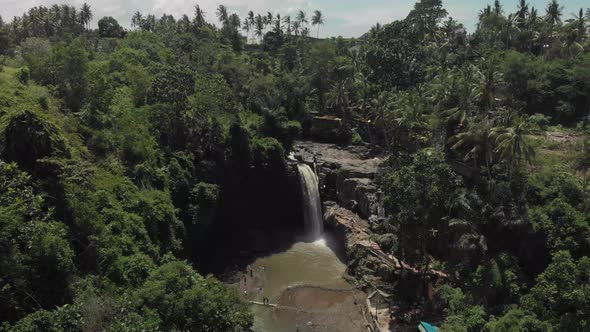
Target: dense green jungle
x: 145, y: 169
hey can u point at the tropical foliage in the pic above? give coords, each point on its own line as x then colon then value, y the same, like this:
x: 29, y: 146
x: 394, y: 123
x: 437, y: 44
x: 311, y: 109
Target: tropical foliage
x: 133, y: 161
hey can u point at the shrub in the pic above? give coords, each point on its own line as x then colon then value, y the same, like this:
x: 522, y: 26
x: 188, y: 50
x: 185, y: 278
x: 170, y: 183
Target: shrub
x: 24, y: 75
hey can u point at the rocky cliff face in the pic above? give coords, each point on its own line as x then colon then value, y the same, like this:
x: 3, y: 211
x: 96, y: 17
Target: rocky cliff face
x: 346, y: 175
x: 352, y: 202
x: 350, y: 199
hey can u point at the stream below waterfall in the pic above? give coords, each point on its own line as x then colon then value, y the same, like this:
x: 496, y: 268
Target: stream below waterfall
x: 303, y: 264
x: 304, y: 282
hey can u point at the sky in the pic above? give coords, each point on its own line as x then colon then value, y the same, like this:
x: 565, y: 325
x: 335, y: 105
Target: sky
x: 347, y: 18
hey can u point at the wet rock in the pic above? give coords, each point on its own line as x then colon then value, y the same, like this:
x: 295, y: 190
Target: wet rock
x: 346, y: 174
x: 362, y: 251
x: 352, y: 159
x: 331, y: 165
x: 359, y: 195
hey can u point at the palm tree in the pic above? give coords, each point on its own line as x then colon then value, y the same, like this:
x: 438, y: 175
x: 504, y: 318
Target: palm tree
x: 184, y: 23
x: 246, y: 27
x: 509, y: 28
x: 410, y: 111
x: 579, y: 24
x: 478, y: 139
x: 295, y: 26
x: 534, y: 32
x: 317, y: 19
x: 34, y: 22
x: 150, y: 23
x: 16, y: 26
x: 338, y: 97
x: 451, y: 92
x: 85, y: 15
x: 305, y: 32
x: 468, y: 237
x: 533, y: 16
x: 375, y: 29
x: 489, y: 80
x: 259, y: 26
x: 512, y: 142
x: 459, y: 202
x: 277, y: 22
x: 137, y: 19
x: 76, y: 24
x: 497, y: 7
x: 199, y: 17
x: 379, y: 106
x: 55, y: 15
x: 48, y: 22
x: 302, y: 18
x: 287, y: 24
x: 533, y: 21
x: 410, y: 115
x: 572, y: 38
x: 52, y: 20
x: 265, y: 22
x: 269, y: 18
x: 553, y: 13
x: 251, y: 18
x: 484, y: 13
x: 65, y: 16
x: 523, y: 9
x: 234, y: 21
x: 360, y: 74
x: 222, y: 15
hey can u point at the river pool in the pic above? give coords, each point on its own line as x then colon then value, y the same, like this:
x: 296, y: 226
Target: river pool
x: 303, y: 264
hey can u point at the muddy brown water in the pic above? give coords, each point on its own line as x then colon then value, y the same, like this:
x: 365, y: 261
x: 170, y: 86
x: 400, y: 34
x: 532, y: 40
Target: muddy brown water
x: 303, y: 264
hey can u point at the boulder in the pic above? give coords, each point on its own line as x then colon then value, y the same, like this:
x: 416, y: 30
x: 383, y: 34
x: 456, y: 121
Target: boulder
x: 358, y: 194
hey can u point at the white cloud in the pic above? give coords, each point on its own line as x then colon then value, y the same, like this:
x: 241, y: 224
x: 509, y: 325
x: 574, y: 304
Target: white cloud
x: 357, y: 22
x: 340, y: 19
x: 122, y: 10
x: 354, y: 23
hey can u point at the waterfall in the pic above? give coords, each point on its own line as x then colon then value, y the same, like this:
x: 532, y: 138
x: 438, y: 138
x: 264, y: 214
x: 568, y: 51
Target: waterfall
x: 312, y: 208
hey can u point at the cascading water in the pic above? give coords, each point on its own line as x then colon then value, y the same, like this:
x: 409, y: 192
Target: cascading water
x: 312, y: 209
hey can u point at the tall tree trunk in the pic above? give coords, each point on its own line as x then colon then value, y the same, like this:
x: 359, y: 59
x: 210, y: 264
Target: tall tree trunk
x: 399, y: 249
x: 424, y: 273
x: 488, y: 168
x: 382, y: 118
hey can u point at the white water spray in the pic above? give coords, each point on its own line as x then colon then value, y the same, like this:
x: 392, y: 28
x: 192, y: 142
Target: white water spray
x: 312, y: 208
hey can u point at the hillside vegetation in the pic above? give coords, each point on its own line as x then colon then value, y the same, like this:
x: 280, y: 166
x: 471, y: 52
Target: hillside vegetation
x: 132, y: 161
